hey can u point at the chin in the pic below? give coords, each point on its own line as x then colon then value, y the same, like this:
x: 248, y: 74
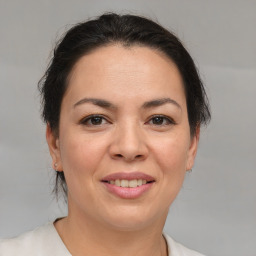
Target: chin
x: 134, y: 219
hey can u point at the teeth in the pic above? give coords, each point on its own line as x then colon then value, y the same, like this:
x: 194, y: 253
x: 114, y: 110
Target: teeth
x: 117, y: 183
x: 128, y: 183
x: 124, y: 183
x: 133, y: 183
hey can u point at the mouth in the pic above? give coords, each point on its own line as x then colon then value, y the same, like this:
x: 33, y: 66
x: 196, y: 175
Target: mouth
x: 128, y: 185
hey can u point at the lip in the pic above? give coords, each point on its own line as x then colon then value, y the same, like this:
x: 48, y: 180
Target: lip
x: 128, y: 193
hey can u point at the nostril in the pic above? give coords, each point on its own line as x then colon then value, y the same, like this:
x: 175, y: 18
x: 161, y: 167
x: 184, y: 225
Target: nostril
x: 128, y: 158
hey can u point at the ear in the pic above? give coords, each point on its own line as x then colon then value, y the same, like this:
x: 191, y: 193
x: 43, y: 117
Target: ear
x: 193, y: 148
x: 54, y: 148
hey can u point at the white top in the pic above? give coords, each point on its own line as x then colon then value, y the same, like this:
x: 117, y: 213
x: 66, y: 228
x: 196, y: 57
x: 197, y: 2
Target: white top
x: 45, y: 241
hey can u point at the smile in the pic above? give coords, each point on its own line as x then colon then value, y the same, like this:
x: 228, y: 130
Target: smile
x: 128, y: 183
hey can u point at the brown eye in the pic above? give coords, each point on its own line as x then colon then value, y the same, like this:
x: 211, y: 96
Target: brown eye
x: 97, y: 120
x: 158, y: 120
x: 161, y: 120
x: 94, y: 120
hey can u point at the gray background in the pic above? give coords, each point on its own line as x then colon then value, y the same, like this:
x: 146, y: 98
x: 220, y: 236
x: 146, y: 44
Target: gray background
x: 215, y: 212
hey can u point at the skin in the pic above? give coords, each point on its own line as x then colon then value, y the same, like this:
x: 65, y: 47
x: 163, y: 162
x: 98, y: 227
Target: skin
x: 128, y: 138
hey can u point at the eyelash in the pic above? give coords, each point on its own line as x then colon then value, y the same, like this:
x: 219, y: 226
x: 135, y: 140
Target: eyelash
x: 85, y: 121
x: 167, y: 120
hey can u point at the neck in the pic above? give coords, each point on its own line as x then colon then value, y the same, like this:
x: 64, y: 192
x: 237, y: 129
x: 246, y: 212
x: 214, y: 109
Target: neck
x: 84, y: 236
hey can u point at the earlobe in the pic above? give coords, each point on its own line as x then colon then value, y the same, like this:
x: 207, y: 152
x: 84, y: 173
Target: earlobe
x: 193, y: 149
x: 54, y: 148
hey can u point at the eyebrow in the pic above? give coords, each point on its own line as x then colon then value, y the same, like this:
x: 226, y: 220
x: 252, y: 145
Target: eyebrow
x: 160, y: 102
x: 109, y: 105
x: 97, y: 102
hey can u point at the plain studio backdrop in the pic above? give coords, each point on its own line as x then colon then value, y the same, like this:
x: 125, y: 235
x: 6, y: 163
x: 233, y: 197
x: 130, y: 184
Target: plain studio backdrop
x: 215, y: 212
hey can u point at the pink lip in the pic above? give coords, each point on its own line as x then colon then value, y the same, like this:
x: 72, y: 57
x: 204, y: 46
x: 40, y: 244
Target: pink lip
x: 128, y: 193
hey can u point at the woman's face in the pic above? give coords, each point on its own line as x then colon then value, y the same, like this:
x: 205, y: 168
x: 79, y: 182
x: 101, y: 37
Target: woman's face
x: 123, y: 122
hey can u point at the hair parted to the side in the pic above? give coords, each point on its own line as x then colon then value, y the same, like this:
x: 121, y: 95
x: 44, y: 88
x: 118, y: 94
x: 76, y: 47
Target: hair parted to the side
x: 127, y: 30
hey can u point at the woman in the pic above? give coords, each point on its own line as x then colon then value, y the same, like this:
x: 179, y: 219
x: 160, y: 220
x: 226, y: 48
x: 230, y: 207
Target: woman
x: 123, y: 104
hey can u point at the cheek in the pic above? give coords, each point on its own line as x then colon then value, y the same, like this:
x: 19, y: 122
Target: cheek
x: 173, y: 162
x: 80, y: 157
x: 171, y: 154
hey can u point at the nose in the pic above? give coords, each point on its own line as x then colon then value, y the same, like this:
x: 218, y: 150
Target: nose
x: 129, y: 144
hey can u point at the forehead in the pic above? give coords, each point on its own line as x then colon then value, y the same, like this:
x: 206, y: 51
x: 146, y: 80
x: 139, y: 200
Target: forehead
x: 131, y: 71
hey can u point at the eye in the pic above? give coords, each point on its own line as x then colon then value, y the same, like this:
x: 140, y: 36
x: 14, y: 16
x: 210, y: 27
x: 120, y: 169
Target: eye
x: 161, y: 120
x: 94, y: 120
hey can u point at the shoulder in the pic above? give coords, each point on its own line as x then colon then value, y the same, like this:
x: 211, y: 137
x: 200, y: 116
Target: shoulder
x: 177, y: 249
x: 39, y: 242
